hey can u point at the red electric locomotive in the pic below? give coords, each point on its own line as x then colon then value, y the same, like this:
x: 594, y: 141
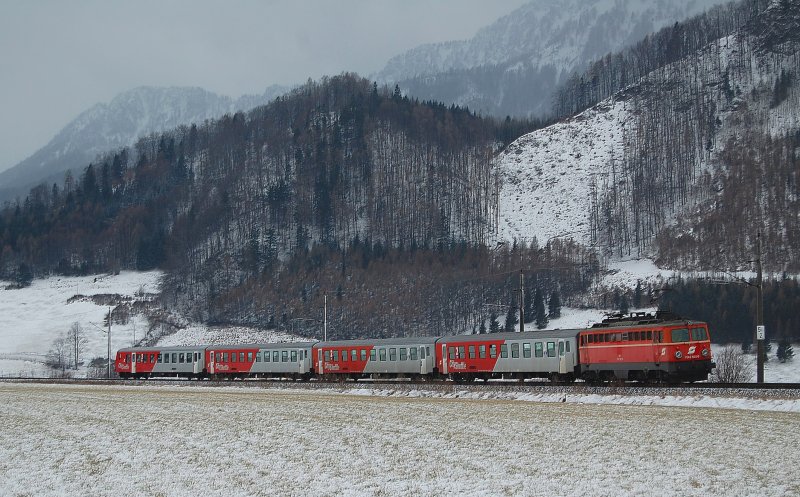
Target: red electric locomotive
x: 643, y: 347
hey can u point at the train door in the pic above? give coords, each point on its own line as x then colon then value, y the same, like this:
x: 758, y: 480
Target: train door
x: 423, y: 361
x: 444, y: 359
x: 562, y: 357
x: 133, y: 363
x: 198, y: 363
x: 320, y: 369
x: 212, y: 362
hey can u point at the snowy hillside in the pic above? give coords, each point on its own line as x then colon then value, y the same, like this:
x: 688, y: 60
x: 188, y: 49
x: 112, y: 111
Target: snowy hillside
x: 549, y: 175
x: 32, y: 318
x: 119, y: 123
x: 644, y: 158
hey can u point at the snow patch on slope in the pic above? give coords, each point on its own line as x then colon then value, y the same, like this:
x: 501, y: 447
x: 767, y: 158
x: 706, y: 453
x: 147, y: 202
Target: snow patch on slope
x: 548, y: 175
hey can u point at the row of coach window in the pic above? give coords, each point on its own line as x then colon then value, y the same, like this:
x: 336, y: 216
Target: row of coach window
x: 174, y: 357
x: 469, y: 352
x: 266, y: 356
x: 391, y: 354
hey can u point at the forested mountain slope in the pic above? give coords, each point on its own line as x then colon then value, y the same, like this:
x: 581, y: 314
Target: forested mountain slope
x: 688, y: 163
x: 382, y: 203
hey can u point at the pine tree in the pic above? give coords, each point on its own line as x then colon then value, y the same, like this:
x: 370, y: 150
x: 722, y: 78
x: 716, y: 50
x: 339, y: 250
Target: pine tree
x: 529, y: 311
x: 785, y: 351
x: 494, y: 325
x: 538, y: 306
x: 511, y: 317
x: 637, y: 295
x: 482, y: 329
x: 554, y: 305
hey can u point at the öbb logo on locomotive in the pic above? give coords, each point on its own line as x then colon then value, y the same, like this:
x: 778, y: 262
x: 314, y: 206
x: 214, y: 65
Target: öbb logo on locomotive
x: 636, y: 347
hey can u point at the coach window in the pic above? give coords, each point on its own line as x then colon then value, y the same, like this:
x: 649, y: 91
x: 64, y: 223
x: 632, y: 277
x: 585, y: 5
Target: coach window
x: 699, y: 334
x: 159, y: 358
x: 561, y: 349
x: 403, y: 354
x: 294, y: 356
x: 284, y: 356
x: 493, y: 351
x: 266, y: 356
x: 180, y: 358
x: 344, y: 355
x: 412, y: 353
x: 382, y: 354
x: 241, y: 356
x: 526, y: 350
x: 353, y: 355
x: 567, y: 346
x: 392, y: 354
x: 373, y: 355
x: 680, y: 335
x: 472, y: 352
x: 482, y: 351
x: 538, y: 349
x: 249, y: 357
x: 515, y: 351
x: 335, y: 355
x: 452, y: 351
x: 462, y: 352
x: 551, y: 349
x: 504, y: 351
x: 363, y: 355
x: 327, y: 356
x: 152, y: 358
x: 275, y: 355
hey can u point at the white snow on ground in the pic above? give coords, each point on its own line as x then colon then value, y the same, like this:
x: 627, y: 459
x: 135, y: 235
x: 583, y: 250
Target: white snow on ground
x: 31, y: 318
x: 172, y: 441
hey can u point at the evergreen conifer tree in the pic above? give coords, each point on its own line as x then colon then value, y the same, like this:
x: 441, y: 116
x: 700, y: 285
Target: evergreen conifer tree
x: 511, y: 317
x: 538, y: 306
x: 494, y: 325
x: 554, y: 305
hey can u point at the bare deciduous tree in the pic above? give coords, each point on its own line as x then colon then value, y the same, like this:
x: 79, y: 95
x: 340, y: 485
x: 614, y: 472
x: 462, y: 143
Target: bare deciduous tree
x: 732, y: 366
x: 77, y: 342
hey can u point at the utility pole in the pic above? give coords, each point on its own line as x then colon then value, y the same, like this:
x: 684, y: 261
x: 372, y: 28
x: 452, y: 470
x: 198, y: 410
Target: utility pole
x: 109, y: 343
x: 325, y: 320
x: 760, y: 328
x: 521, y: 301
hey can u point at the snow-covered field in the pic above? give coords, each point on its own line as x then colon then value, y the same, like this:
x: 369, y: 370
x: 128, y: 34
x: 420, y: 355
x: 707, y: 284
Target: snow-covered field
x: 31, y: 318
x: 173, y: 441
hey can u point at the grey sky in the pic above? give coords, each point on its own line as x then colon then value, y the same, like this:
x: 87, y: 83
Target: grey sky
x: 57, y: 58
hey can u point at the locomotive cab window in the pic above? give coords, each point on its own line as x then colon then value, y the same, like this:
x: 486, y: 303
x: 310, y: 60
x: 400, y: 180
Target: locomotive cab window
x: 699, y: 334
x: 680, y: 335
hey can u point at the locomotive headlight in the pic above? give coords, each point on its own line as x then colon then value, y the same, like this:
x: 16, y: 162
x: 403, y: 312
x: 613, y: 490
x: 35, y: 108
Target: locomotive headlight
x: 678, y: 354
x: 705, y: 352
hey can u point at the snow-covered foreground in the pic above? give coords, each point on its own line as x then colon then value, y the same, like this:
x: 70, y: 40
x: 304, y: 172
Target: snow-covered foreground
x: 31, y: 318
x: 172, y: 441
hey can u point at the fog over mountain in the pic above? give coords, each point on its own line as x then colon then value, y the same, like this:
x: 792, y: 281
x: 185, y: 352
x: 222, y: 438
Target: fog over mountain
x: 512, y: 66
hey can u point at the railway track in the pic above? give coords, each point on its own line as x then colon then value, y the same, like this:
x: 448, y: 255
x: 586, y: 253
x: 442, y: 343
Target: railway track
x: 515, y: 386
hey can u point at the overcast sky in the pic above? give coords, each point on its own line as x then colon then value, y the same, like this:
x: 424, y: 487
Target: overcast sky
x: 58, y: 58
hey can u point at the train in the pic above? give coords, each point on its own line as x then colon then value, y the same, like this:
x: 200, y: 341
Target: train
x: 640, y: 347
